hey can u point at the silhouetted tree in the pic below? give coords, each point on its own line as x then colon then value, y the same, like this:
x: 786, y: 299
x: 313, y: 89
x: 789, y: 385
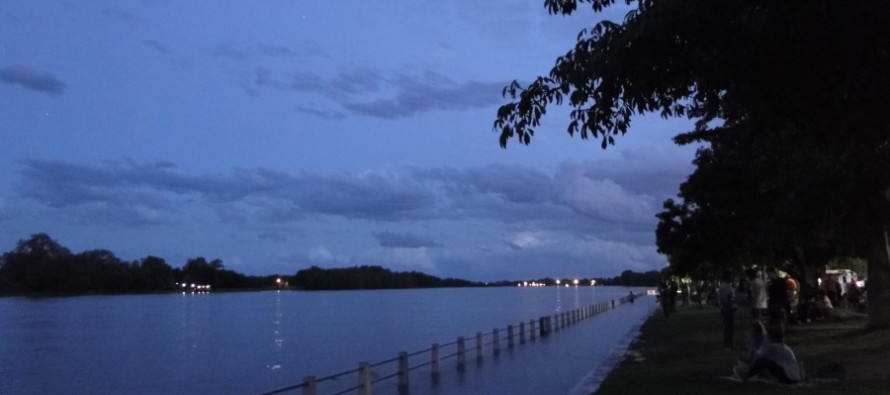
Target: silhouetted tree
x: 812, y: 70
x: 156, y: 274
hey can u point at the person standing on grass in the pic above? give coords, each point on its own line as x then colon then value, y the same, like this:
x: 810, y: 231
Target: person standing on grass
x: 758, y: 290
x: 726, y: 301
x: 674, y: 289
x: 744, y: 302
x: 777, y: 300
x: 663, y: 291
x: 853, y: 295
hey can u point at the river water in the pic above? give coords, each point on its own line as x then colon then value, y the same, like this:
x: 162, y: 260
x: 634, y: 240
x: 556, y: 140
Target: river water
x: 244, y: 343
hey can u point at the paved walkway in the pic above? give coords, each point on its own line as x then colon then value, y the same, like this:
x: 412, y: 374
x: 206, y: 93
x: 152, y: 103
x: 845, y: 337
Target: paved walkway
x: 573, y: 360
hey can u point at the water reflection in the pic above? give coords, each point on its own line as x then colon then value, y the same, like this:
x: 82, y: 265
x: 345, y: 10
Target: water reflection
x: 577, y: 296
x: 277, y: 335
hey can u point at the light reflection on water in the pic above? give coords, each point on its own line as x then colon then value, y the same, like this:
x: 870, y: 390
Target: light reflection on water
x: 277, y: 335
x: 241, y: 342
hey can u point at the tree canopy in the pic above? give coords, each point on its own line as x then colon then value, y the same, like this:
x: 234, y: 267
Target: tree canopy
x: 788, y: 99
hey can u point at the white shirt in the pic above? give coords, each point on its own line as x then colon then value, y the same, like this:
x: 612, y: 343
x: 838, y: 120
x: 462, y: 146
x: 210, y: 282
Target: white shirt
x: 758, y: 289
x: 782, y: 355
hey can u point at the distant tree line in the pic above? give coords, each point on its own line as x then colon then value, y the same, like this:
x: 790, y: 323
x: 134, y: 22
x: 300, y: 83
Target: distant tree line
x: 371, y: 277
x: 40, y: 265
x: 630, y: 278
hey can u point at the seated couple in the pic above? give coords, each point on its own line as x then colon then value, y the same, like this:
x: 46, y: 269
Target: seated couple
x: 768, y: 353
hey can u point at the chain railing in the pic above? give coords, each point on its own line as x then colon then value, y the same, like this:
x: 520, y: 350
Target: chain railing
x: 400, y: 366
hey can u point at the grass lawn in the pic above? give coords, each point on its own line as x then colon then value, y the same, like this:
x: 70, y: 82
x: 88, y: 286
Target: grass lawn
x: 684, y: 355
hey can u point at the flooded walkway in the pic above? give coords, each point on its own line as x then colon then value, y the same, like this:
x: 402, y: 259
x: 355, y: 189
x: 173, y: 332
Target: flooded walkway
x: 572, y: 360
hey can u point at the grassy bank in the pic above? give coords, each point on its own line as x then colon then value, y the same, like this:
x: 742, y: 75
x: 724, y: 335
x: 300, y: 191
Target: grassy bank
x: 684, y: 355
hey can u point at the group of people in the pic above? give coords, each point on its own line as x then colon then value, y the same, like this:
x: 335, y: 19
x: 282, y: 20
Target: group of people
x: 753, y: 299
x: 750, y: 301
x: 765, y: 306
x: 817, y: 303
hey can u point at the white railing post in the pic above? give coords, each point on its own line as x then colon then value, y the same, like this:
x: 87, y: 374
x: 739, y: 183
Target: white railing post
x: 479, y: 346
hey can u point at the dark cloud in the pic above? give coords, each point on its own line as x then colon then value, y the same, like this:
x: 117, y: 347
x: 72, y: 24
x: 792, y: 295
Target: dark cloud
x: 403, y: 240
x: 243, y: 53
x: 357, y: 81
x: 31, y: 78
x: 230, y: 52
x: 260, y: 194
x: 122, y: 15
x: 534, y: 205
x: 416, y: 95
x: 157, y: 46
x: 274, y: 51
x: 648, y: 171
x: 321, y: 113
x: 369, y: 92
x: 567, y: 217
x: 93, y: 194
x: 377, y: 196
x: 6, y: 211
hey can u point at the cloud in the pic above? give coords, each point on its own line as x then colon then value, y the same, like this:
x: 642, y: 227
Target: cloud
x: 414, y: 95
x: 320, y: 112
x: 401, y: 259
x: 122, y: 15
x: 6, y: 210
x: 32, y: 79
x: 403, y: 240
x: 571, y: 198
x: 258, y: 194
x: 157, y: 46
x: 243, y: 53
x: 601, y: 199
x: 370, y: 92
x: 525, y: 240
x: 499, y: 215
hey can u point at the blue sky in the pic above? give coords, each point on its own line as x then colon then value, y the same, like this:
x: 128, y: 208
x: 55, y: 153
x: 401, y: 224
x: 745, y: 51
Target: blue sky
x: 276, y: 135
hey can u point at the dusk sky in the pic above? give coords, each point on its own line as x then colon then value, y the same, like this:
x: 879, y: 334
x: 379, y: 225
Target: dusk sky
x: 276, y: 135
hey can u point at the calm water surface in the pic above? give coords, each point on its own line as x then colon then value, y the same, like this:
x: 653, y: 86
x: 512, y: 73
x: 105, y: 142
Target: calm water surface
x: 243, y: 343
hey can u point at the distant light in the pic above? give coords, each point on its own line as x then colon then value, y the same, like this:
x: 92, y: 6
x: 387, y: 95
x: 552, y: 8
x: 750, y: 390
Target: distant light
x: 557, y: 281
x: 575, y: 281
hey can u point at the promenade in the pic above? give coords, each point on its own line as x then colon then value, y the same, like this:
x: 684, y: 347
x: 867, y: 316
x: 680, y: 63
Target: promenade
x: 572, y: 360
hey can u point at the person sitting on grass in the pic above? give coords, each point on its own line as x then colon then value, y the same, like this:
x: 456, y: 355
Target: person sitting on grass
x: 773, y: 357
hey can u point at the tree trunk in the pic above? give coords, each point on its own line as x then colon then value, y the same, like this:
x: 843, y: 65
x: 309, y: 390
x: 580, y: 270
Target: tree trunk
x: 878, y: 279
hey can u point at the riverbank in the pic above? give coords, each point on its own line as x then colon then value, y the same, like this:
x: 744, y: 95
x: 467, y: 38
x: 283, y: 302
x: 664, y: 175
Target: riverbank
x: 683, y: 355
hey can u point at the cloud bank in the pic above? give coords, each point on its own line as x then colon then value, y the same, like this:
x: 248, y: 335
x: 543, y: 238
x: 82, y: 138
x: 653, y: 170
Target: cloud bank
x: 32, y: 79
x: 437, y: 218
